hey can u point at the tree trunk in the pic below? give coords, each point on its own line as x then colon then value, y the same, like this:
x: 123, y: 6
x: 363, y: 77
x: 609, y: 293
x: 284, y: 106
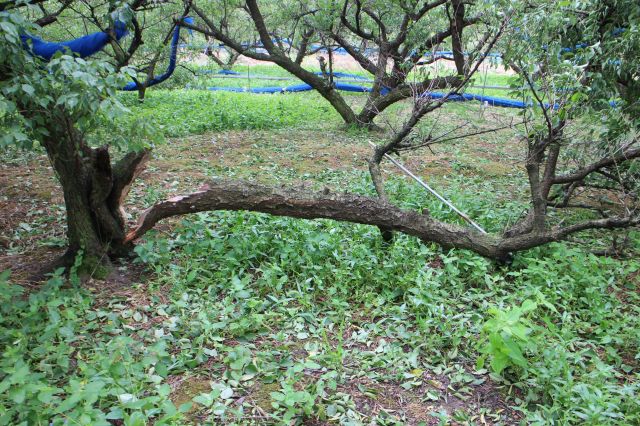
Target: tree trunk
x: 94, y: 191
x: 231, y: 60
x: 323, y: 87
x: 142, y: 90
x: 457, y: 25
x: 340, y: 105
x: 376, y: 105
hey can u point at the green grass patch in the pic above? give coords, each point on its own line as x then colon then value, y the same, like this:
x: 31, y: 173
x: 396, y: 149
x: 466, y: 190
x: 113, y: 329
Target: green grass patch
x: 182, y: 112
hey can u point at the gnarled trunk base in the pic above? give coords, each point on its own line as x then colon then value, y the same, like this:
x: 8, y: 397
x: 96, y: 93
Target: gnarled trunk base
x: 94, y: 191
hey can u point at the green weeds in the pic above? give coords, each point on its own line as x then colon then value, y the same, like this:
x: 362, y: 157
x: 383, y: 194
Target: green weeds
x: 251, y: 319
x: 182, y: 112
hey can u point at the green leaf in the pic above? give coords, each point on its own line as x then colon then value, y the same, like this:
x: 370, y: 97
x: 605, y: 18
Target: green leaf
x: 499, y: 362
x: 28, y: 89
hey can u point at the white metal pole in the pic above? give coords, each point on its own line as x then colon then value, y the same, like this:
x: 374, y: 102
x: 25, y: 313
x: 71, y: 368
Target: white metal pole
x: 431, y: 190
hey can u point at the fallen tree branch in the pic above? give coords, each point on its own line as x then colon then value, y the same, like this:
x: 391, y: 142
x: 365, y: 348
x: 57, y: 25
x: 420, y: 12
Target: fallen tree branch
x: 299, y: 203
x: 240, y: 195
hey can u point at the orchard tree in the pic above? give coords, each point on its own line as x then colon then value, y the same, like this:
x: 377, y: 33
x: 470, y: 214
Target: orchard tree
x: 399, y: 33
x: 579, y: 130
x: 58, y: 105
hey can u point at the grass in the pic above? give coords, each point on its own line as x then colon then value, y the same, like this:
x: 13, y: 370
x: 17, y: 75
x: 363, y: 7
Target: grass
x: 183, y: 112
x: 241, y: 318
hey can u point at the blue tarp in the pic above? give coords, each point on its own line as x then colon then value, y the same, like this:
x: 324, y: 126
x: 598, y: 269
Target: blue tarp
x: 292, y: 89
x: 449, y: 54
x: 83, y: 46
x: 189, y: 20
x: 173, y: 56
x: 490, y: 100
x: 338, y: 74
x: 223, y: 72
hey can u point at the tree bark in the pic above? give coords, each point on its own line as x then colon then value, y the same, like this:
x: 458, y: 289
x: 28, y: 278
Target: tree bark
x: 94, y: 191
x: 376, y: 105
x: 292, y: 202
x: 278, y: 57
x: 457, y: 26
x: 298, y: 203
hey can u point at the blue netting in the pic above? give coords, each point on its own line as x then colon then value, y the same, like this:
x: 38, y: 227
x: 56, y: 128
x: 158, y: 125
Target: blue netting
x: 262, y: 90
x: 189, y: 20
x: 289, y: 89
x: 338, y: 74
x: 173, y: 56
x: 83, y: 46
x: 490, y: 100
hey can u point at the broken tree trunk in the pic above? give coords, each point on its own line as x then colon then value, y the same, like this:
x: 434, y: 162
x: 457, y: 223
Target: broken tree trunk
x: 299, y: 203
x: 239, y: 195
x: 94, y: 191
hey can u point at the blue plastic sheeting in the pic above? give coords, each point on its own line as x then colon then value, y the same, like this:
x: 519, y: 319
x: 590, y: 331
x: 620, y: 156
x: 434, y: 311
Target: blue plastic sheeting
x: 352, y: 88
x: 288, y: 89
x: 83, y: 46
x: 347, y: 75
x: 449, y: 54
x: 293, y: 89
x: 284, y: 41
x: 490, y: 100
x: 173, y: 56
x: 189, y: 20
x: 223, y: 72
x: 259, y: 44
x: 339, y: 50
x: 342, y: 51
x: 500, y: 102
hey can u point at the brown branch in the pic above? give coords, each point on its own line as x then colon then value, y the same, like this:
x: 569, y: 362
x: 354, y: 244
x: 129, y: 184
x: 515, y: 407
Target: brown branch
x: 405, y: 91
x: 299, y: 203
x: 238, y: 195
x: 626, y: 155
x: 215, y: 32
x: 362, y: 60
x: 125, y: 172
x: 261, y: 27
x: 52, y: 17
x: 356, y: 29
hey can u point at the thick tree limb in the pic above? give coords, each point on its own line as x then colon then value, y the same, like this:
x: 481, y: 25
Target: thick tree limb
x: 292, y: 202
x: 125, y: 172
x: 239, y: 195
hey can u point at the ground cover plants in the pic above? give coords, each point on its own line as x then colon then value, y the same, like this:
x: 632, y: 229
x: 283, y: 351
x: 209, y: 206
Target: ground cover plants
x: 240, y: 320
